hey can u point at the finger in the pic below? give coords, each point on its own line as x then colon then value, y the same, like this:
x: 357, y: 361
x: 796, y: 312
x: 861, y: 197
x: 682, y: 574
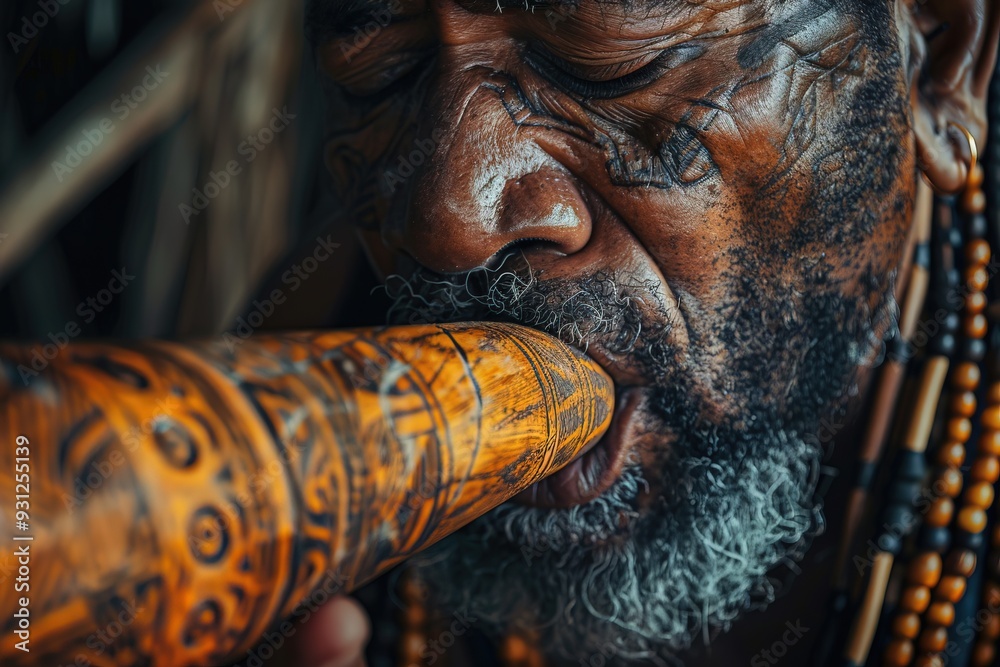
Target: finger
x: 335, y: 636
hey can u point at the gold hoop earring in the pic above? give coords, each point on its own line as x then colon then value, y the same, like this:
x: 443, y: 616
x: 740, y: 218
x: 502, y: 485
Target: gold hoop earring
x: 973, y: 199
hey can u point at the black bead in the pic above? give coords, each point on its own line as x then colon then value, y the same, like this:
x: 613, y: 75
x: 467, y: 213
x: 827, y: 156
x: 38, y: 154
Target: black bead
x: 953, y: 277
x: 943, y: 345
x: 951, y: 323
x: 890, y: 543
x: 911, y: 465
x: 899, y: 520
x: 903, y: 494
x: 955, y: 237
x: 975, y: 227
x: 992, y: 365
x: 866, y: 474
x: 922, y: 255
x: 935, y: 539
x: 973, y: 349
x: 973, y: 541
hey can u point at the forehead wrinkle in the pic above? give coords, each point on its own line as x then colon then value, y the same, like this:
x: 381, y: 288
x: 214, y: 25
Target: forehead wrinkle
x: 753, y: 54
x: 664, y: 26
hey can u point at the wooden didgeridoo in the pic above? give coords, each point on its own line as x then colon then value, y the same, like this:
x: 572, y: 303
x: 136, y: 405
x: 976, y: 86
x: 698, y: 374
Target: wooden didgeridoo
x: 184, y: 498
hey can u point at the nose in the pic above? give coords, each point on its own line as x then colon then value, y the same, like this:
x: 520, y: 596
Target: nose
x: 486, y: 188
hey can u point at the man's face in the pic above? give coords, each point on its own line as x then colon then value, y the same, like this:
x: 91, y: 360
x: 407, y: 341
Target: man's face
x: 709, y: 198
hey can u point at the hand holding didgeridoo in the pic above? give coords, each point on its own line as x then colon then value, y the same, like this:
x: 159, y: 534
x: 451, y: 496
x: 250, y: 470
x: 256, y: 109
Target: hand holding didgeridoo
x: 180, y: 499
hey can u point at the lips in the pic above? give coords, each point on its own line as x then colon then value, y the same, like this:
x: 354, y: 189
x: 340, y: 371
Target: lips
x: 596, y: 469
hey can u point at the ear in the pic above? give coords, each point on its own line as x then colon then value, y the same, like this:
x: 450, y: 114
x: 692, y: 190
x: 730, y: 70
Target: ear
x: 952, y: 49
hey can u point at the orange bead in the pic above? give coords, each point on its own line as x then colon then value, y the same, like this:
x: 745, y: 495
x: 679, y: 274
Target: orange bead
x: 972, y: 520
x: 975, y: 326
x: 992, y: 627
x: 929, y: 660
x: 985, y: 469
x: 925, y: 569
x: 982, y: 654
x: 976, y: 176
x: 963, y: 404
x: 941, y: 613
x: 411, y: 644
x: 991, y: 595
x: 413, y: 589
x: 952, y: 454
x: 915, y: 599
x: 989, y: 443
x: 980, y: 495
x: 415, y: 615
x: 948, y: 483
x: 993, y: 394
x: 977, y: 278
x: 515, y: 649
x: 966, y: 376
x: 940, y: 513
x: 961, y: 562
x: 959, y: 429
x: 950, y: 588
x: 906, y: 625
x: 978, y: 252
x: 973, y: 201
x: 991, y: 417
x: 933, y: 640
x: 975, y: 303
x: 899, y: 653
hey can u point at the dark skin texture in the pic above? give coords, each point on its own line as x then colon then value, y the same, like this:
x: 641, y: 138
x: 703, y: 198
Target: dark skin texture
x: 693, y: 183
x: 716, y: 152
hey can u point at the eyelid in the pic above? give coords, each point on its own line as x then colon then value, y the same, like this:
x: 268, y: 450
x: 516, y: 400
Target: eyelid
x: 541, y: 59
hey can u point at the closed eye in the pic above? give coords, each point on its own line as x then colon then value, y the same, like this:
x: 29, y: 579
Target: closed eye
x: 561, y: 73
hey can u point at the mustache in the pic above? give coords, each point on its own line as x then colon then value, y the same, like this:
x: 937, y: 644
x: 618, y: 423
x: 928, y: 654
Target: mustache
x: 595, y: 309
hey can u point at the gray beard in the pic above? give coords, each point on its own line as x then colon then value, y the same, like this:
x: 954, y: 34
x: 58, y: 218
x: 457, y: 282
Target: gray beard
x: 601, y: 583
x: 679, y: 574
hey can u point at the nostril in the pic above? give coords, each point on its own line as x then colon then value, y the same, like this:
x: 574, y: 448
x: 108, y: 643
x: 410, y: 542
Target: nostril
x: 525, y: 247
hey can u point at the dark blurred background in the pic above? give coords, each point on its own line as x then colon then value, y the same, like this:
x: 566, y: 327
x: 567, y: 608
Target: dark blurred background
x: 179, y: 143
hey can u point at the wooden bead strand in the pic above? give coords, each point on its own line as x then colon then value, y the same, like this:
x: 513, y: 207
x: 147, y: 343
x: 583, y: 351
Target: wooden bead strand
x: 922, y: 575
x: 924, y: 570
x: 935, y: 539
x: 899, y: 515
x: 984, y: 651
x: 984, y: 470
x: 903, y: 492
x: 413, y: 620
x: 940, y: 613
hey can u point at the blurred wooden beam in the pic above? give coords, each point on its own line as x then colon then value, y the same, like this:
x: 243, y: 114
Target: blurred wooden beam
x: 42, y: 195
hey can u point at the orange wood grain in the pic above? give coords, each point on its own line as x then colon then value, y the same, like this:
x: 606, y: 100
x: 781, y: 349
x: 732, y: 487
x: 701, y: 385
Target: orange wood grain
x: 188, y: 496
